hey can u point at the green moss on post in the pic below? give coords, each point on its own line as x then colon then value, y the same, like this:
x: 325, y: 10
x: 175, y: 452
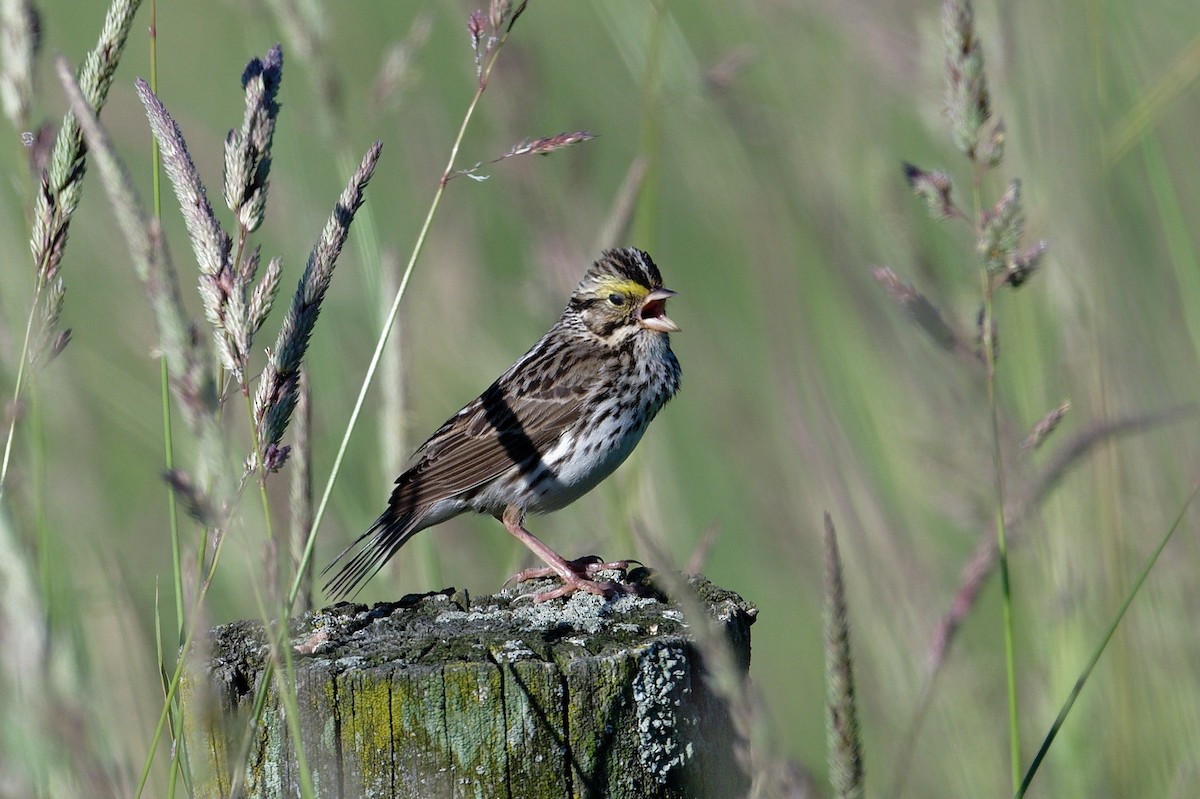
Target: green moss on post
x: 440, y: 696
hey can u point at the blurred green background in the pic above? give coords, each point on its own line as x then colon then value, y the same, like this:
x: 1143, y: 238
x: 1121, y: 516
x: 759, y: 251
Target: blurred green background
x: 772, y: 135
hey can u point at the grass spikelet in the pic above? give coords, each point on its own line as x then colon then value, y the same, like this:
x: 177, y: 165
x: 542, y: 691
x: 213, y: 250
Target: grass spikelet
x: 276, y: 397
x: 540, y: 146
x: 263, y: 297
x: 934, y: 188
x: 547, y: 144
x: 487, y: 32
x: 844, y: 739
x: 1001, y: 231
x: 1045, y: 426
x: 234, y: 307
x: 248, y: 151
x: 210, y: 244
x: 48, y: 342
x: 1022, y: 265
x: 62, y: 183
x: 968, y: 105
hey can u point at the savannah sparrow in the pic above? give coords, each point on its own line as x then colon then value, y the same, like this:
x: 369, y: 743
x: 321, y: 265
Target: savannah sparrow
x: 559, y: 421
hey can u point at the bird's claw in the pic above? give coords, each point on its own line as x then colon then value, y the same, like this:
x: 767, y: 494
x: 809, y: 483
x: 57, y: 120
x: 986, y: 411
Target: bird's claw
x: 587, y: 566
x: 581, y: 571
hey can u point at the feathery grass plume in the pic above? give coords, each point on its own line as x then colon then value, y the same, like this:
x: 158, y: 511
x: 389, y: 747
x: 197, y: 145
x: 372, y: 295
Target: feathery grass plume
x: 542, y: 146
x: 967, y: 103
x: 62, y: 182
x: 277, y: 388
x: 20, y: 41
x: 487, y: 30
x: 998, y: 235
x: 210, y: 244
x: 188, y: 360
x: 225, y: 285
x: 844, y: 738
x: 547, y: 144
x: 248, y: 151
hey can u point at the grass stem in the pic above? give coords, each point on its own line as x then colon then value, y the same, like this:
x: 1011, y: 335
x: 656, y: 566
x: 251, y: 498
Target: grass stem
x: 390, y: 322
x: 988, y: 343
x: 22, y: 365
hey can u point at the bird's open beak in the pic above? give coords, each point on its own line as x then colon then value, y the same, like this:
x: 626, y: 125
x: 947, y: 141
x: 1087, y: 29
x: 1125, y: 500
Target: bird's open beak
x: 653, y: 315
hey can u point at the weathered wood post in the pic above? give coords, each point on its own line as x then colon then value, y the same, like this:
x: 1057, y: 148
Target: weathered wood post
x: 440, y: 695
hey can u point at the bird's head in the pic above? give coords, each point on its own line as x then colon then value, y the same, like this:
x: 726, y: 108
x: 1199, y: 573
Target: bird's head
x: 621, y: 294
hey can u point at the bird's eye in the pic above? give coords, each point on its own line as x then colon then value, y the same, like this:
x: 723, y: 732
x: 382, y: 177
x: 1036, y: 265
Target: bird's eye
x: 616, y: 299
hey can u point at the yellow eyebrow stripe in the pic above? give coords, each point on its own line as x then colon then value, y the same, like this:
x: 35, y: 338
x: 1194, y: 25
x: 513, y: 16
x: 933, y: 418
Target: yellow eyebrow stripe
x: 620, y: 285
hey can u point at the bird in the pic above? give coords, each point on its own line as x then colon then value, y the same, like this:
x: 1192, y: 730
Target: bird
x: 552, y: 427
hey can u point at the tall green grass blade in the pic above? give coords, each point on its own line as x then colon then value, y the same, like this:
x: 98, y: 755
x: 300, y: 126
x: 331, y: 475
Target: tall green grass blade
x: 1095, y: 658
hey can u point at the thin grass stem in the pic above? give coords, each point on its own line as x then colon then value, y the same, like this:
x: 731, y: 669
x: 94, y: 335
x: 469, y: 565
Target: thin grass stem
x: 988, y: 344
x: 22, y: 365
x: 390, y: 322
x: 173, y: 686
x: 164, y: 373
x: 177, y: 751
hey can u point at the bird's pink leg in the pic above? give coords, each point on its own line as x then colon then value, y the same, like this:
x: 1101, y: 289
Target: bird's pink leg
x: 572, y: 573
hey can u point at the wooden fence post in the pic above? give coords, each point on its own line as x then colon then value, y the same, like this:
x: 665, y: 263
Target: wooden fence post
x: 441, y: 695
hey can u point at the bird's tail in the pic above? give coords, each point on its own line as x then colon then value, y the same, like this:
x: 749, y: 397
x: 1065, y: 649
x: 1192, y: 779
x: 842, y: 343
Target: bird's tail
x: 389, y: 532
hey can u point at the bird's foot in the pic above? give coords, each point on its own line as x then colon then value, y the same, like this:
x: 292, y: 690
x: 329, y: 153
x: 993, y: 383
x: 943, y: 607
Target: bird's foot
x: 575, y: 574
x: 588, y: 566
x: 579, y: 577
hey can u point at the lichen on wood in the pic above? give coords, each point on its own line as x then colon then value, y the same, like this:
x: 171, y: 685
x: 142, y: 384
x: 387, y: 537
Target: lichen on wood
x: 439, y: 695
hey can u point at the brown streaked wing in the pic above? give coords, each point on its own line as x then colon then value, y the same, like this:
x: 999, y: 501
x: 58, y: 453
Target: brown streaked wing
x: 484, y: 439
